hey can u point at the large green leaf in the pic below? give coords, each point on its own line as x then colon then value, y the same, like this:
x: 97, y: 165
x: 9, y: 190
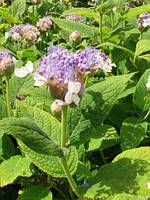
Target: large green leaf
x: 39, y: 97
x: 12, y: 168
x: 95, y: 105
x: 136, y: 11
x: 104, y: 137
x: 81, y: 11
x: 31, y: 135
x: 51, y: 127
x: 69, y: 25
x: 35, y: 192
x: 125, y: 197
x: 132, y: 133
x: 128, y: 173
x: 7, y: 148
x: 141, y: 96
x: 17, y: 84
x: 18, y: 8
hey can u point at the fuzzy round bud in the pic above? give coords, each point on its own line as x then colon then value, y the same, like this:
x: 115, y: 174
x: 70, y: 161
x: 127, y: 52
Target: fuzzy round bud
x: 75, y: 36
x: 7, y: 65
x: 44, y: 24
x: 144, y: 21
x: 57, y: 105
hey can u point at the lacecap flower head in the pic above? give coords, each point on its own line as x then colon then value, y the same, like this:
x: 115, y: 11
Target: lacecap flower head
x: 7, y: 63
x: 59, y: 69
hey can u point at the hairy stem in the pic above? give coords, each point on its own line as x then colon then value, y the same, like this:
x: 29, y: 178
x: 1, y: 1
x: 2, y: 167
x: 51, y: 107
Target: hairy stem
x: 8, y: 97
x: 63, y: 126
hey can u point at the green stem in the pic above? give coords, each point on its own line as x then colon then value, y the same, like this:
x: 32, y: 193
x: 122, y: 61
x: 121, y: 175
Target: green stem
x: 8, y: 97
x: 71, y: 181
x: 141, y: 35
x: 86, y: 80
x: 103, y: 157
x: 101, y: 27
x: 63, y: 126
x: 63, y: 161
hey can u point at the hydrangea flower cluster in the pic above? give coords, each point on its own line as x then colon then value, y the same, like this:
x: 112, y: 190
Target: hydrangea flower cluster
x: 44, y: 24
x: 76, y: 17
x: 144, y: 21
x: 7, y: 63
x: 92, y: 60
x: 27, y: 32
x: 64, y: 71
x: 15, y: 32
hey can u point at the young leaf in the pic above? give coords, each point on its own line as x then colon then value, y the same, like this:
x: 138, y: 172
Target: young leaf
x: 35, y: 192
x: 31, y: 135
x: 12, y: 168
x: 128, y: 173
x: 132, y: 133
x: 18, y: 8
x: 7, y: 16
x: 104, y: 137
x: 142, y: 46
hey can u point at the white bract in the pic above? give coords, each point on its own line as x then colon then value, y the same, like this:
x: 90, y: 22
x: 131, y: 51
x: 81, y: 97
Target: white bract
x: 146, y: 22
x: 25, y: 70
x: 72, y: 94
x: 39, y: 80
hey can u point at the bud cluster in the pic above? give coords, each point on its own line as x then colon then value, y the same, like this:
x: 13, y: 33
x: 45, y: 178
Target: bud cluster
x: 76, y: 17
x: 44, y: 24
x: 7, y: 63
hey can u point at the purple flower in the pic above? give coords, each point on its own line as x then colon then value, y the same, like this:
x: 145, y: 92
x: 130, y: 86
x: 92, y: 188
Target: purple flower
x: 144, y: 21
x: 59, y: 69
x: 15, y: 32
x: 30, y: 32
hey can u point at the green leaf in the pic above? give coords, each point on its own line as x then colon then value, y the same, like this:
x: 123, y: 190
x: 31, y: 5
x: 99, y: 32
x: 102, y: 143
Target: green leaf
x: 104, y: 137
x: 142, y: 46
x: 128, y: 173
x: 36, y: 192
x: 31, y: 135
x: 12, y: 168
x: 7, y: 148
x: 95, y: 105
x: 141, y: 96
x: 136, y: 11
x: 132, y: 133
x: 18, y: 8
x: 69, y: 25
x: 7, y: 16
x: 51, y: 126
x: 27, y: 54
x: 17, y: 84
x: 125, y: 197
x: 38, y: 97
x: 81, y: 11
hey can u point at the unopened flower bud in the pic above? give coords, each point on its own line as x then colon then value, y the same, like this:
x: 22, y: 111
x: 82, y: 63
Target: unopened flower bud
x: 75, y: 36
x: 57, y: 105
x: 7, y: 65
x: 144, y: 21
x: 138, y: 2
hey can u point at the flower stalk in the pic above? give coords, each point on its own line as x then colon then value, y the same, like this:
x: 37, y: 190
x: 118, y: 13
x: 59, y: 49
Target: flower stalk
x: 8, y: 97
x: 63, y: 161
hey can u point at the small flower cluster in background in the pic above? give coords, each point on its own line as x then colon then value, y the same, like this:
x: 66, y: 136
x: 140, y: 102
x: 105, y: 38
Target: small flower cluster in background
x: 44, y: 24
x: 76, y: 17
x: 144, y: 21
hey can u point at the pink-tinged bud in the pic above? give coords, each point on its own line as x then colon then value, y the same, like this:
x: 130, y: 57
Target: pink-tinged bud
x: 127, y: 6
x: 57, y: 105
x: 7, y: 66
x: 1, y: 2
x: 75, y: 36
